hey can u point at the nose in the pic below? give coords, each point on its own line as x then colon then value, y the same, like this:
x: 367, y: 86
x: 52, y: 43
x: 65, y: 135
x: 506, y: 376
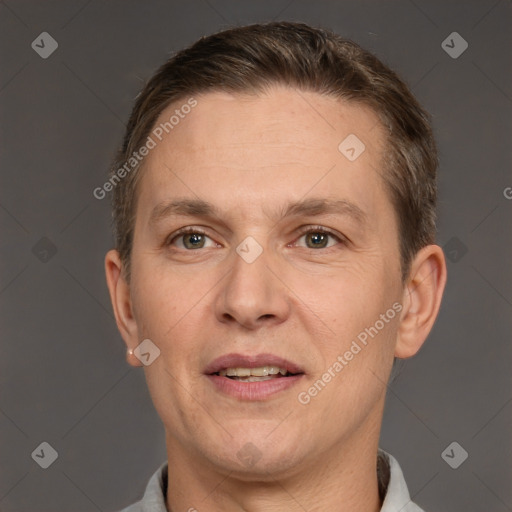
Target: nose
x: 252, y: 293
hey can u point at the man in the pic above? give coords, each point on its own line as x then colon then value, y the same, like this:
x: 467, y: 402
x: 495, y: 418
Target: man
x: 274, y: 210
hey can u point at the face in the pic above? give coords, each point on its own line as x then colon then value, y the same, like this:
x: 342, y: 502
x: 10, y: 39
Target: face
x: 291, y: 255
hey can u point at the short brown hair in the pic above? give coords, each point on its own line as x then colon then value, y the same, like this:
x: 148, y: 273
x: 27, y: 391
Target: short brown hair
x: 252, y: 58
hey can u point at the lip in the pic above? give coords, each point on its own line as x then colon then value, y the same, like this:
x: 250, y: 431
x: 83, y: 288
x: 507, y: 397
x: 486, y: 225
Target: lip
x: 251, y: 361
x: 252, y: 390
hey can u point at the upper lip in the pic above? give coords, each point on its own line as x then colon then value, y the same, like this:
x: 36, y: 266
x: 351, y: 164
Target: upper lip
x: 251, y: 361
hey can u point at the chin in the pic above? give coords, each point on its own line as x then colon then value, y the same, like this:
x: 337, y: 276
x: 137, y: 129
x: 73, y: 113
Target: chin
x: 252, y: 454
x: 267, y: 468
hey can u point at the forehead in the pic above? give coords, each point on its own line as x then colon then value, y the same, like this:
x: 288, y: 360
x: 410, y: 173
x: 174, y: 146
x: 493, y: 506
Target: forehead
x: 259, y: 147
x: 282, y: 115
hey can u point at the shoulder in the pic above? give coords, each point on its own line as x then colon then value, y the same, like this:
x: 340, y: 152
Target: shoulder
x: 397, y: 496
x: 136, y: 507
x: 154, y: 495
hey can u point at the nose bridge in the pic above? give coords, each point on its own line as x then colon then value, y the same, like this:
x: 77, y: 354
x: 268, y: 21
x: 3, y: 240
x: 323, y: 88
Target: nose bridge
x: 251, y: 292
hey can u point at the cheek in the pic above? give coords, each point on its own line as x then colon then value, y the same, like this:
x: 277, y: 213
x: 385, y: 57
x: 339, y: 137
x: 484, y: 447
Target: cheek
x: 172, y: 310
x: 158, y: 303
x: 354, y: 296
x: 166, y: 312
x: 351, y: 314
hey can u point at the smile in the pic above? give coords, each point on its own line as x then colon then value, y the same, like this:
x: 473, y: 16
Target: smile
x: 255, y: 377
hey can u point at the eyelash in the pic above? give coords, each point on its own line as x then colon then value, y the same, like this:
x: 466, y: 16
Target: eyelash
x: 303, y: 231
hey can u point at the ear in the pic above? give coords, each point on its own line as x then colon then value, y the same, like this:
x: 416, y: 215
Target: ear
x: 421, y: 300
x: 120, y: 297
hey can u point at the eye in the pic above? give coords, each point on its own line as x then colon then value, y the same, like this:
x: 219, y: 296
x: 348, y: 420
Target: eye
x: 190, y: 238
x: 317, y: 237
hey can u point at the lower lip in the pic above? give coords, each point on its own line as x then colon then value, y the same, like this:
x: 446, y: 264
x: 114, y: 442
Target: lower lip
x: 253, y: 390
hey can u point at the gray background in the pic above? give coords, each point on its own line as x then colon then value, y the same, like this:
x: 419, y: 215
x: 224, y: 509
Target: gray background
x: 63, y: 375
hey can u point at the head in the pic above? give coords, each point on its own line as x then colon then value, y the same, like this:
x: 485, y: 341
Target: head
x: 252, y: 135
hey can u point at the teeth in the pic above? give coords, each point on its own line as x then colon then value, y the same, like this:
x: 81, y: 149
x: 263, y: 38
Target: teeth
x: 253, y: 379
x: 262, y: 371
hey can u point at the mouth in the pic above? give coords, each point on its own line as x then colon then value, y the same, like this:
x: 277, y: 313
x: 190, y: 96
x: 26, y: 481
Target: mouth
x: 253, y: 377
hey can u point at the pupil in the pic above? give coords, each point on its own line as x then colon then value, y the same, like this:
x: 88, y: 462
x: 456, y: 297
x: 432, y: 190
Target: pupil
x: 193, y: 238
x: 318, y: 237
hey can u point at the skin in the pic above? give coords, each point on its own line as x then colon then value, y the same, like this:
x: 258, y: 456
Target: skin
x: 250, y: 155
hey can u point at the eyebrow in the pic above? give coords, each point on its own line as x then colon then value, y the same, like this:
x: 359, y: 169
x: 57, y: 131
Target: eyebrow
x: 307, y: 207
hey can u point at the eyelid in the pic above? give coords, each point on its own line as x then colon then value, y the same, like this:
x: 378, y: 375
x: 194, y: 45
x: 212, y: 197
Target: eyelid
x: 321, y: 229
x: 318, y: 227
x: 183, y: 231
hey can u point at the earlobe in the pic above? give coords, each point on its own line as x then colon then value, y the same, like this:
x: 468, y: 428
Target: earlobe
x: 121, y: 302
x: 422, y: 300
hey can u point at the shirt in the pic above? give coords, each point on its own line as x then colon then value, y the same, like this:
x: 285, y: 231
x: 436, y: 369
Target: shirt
x: 392, y: 488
